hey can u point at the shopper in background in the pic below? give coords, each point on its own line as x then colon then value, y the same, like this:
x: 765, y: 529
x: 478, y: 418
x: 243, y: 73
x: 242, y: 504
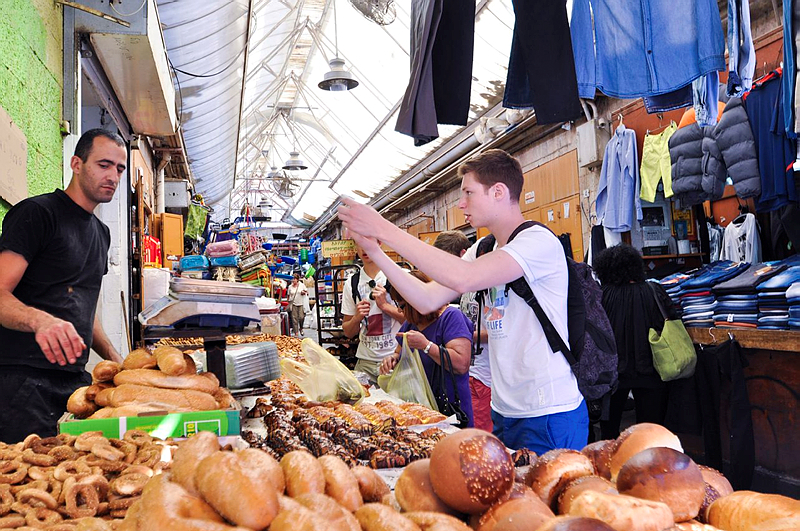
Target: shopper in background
x: 370, y: 314
x: 480, y: 374
x: 297, y: 294
x: 53, y: 256
x: 448, y: 327
x: 629, y: 301
x: 536, y: 403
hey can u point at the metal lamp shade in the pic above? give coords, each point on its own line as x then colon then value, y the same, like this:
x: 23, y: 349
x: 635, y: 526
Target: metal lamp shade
x: 338, y: 79
x: 295, y: 162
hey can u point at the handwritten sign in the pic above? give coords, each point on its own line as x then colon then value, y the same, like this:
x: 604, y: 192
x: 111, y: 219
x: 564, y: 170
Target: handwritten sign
x: 13, y: 160
x: 339, y: 248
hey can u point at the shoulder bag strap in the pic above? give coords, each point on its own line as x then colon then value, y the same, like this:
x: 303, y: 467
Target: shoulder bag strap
x: 447, y: 366
x: 661, y: 308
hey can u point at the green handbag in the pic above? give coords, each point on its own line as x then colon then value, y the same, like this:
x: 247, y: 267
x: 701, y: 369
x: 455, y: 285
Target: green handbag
x: 674, y: 356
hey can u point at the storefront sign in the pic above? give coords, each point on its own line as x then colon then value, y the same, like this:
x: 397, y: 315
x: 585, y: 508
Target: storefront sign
x: 13, y: 160
x: 339, y: 248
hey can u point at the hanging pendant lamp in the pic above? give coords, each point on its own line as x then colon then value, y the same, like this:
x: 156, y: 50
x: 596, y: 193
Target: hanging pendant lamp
x: 337, y: 79
x: 294, y: 163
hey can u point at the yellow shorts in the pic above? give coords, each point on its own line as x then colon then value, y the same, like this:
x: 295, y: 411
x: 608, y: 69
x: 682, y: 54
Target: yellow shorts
x: 656, y: 164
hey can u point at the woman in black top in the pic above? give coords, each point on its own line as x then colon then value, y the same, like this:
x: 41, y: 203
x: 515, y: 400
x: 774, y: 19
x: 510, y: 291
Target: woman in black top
x: 631, y: 307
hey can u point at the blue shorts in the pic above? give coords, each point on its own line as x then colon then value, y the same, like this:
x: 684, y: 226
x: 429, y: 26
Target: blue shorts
x: 569, y: 429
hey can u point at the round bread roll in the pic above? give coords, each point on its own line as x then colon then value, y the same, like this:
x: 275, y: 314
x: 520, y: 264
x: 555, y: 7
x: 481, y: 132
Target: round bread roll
x: 298, y: 518
x: 414, y: 492
x: 599, y: 453
x: 574, y: 488
x: 391, y: 501
x: 554, y: 469
x: 622, y: 512
x: 470, y: 470
x: 641, y: 437
x: 189, y: 454
x: 428, y: 521
x: 79, y: 405
x: 563, y: 523
x: 748, y: 511
x: 717, y: 486
x: 664, y: 475
x: 527, y: 506
x: 379, y: 517
x: 372, y: 487
x: 337, y: 517
x: 303, y: 473
x: 692, y: 526
x: 105, y: 371
x: 241, y: 492
x: 266, y: 465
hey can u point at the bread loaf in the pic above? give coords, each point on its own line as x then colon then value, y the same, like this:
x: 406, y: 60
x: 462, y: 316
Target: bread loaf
x: 189, y: 454
x: 166, y: 399
x: 693, y: 526
x: 139, y: 359
x: 746, y: 510
x: 664, y: 475
x: 105, y: 371
x: 303, y: 473
x: 268, y: 467
x: 599, y: 453
x: 298, y: 519
x: 191, y: 366
x: 340, y: 483
x: 78, y: 405
x: 414, y: 492
x: 244, y: 495
x: 337, y: 518
x: 103, y: 397
x: 622, y: 512
x: 429, y: 521
x: 379, y: 517
x: 528, y: 506
x: 553, y: 470
x: 134, y: 410
x: 372, y: 487
x: 562, y: 523
x: 574, y: 488
x: 159, y: 379
x: 641, y: 437
x: 94, y: 389
x: 716, y: 486
x: 170, y: 360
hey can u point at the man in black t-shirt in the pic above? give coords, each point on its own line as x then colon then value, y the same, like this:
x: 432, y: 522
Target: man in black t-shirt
x: 53, y: 255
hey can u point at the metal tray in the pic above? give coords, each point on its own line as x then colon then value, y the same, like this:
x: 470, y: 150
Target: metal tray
x: 185, y: 285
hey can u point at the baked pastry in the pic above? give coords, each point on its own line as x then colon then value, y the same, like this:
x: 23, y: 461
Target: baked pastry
x: 189, y: 455
x: 429, y: 521
x: 165, y: 399
x: 340, y: 483
x: 154, y: 378
x: 380, y: 517
x: 303, y: 473
x: 139, y: 359
x: 79, y: 405
x: 750, y: 511
x: 372, y: 487
x: 105, y: 371
x: 414, y: 492
x: 561, y: 523
x: 574, y: 488
x: 528, y: 506
x: 337, y: 517
x: 637, y: 438
x: 599, y: 453
x: 170, y: 360
x: 553, y: 469
x: 622, y: 512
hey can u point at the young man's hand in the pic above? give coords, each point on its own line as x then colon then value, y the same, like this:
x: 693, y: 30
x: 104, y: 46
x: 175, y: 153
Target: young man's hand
x: 379, y: 295
x: 359, y: 218
x: 362, y: 309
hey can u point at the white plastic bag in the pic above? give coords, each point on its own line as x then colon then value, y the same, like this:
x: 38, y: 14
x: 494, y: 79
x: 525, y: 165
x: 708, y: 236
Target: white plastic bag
x: 322, y: 377
x: 408, y: 381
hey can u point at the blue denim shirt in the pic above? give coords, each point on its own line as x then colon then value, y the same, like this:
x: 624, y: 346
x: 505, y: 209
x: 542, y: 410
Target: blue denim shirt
x: 618, y: 189
x: 644, y: 47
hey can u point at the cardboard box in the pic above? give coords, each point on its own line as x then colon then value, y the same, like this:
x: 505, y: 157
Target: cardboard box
x: 177, y: 425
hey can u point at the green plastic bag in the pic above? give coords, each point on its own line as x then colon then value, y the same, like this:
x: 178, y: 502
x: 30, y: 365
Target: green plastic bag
x: 195, y: 222
x: 322, y: 377
x: 674, y: 356
x: 408, y: 381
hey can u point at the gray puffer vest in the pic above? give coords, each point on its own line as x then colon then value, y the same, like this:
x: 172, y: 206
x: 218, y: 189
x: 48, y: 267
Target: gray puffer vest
x: 736, y: 143
x: 698, y: 169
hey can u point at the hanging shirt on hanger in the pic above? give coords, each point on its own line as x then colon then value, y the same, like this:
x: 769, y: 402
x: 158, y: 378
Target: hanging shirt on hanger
x: 741, y: 241
x: 618, y: 191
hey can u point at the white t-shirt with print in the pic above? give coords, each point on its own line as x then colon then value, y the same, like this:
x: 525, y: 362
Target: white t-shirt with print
x: 528, y: 378
x: 480, y: 368
x: 376, y: 337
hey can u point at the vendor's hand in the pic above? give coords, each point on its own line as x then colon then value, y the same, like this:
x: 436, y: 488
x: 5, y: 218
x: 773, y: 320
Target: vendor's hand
x: 362, y: 308
x: 416, y: 339
x: 388, y: 363
x: 59, y: 340
x: 359, y: 218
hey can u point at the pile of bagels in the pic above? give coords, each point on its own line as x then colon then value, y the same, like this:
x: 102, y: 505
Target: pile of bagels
x: 640, y: 482
x: 69, y: 483
x: 164, y: 381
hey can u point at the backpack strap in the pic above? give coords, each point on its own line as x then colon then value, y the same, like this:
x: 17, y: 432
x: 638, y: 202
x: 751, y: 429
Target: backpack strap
x: 354, y: 280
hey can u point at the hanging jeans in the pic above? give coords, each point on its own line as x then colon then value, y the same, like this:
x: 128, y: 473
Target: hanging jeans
x: 438, y: 92
x: 541, y: 69
x: 705, y: 93
x: 726, y: 362
x: 742, y: 54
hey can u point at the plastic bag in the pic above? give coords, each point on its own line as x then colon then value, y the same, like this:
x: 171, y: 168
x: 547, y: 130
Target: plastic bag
x: 408, y: 381
x: 323, y: 377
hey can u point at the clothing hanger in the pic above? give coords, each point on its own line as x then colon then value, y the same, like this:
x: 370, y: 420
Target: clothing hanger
x: 744, y: 209
x: 661, y: 125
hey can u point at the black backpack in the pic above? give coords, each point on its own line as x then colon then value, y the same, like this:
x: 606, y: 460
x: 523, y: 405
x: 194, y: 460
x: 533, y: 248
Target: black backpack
x: 592, y: 350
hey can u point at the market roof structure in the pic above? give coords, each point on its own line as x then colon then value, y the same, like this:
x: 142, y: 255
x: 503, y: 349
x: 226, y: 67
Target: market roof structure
x: 249, y: 70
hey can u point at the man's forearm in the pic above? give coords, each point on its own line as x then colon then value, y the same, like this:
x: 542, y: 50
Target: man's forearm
x: 15, y: 315
x: 351, y: 325
x: 394, y: 312
x: 102, y: 345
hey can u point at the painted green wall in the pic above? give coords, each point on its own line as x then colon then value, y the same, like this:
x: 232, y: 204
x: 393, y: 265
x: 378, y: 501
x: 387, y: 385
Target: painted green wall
x: 31, y: 81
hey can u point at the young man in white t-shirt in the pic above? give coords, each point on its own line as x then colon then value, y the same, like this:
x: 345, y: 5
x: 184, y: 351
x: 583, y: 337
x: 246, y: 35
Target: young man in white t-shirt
x: 535, y: 399
x: 374, y: 318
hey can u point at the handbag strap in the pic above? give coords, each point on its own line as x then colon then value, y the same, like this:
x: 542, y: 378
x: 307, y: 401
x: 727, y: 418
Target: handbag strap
x: 658, y: 301
x: 447, y: 366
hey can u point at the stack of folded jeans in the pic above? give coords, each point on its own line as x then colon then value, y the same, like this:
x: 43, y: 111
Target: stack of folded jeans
x: 698, y: 301
x: 793, y: 298
x: 737, y: 298
x: 773, y: 305
x: 672, y: 285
